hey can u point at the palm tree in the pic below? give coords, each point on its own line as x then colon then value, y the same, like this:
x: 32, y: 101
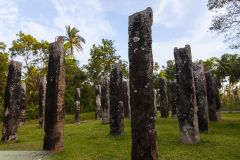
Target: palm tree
x: 74, y: 40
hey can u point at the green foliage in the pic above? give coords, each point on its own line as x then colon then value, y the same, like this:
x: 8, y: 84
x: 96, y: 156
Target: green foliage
x: 26, y: 47
x: 74, y: 40
x: 91, y: 140
x: 102, y: 58
x: 227, y: 20
x: 3, y: 72
x: 76, y: 78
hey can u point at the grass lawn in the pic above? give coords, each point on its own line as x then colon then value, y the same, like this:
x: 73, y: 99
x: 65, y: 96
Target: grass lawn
x: 90, y: 140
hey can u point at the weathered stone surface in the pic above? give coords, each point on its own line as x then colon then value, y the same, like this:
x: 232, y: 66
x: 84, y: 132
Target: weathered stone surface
x: 98, y: 112
x: 22, y: 116
x: 55, y: 109
x: 126, y: 99
x: 41, y: 101
x: 78, y: 105
x: 186, y: 96
x: 201, y: 95
x: 173, y: 98
x: 105, y: 102
x: 12, y: 102
x: 163, y: 98
x: 116, y: 101
x: 218, y: 101
x: 141, y: 86
x: 212, y: 97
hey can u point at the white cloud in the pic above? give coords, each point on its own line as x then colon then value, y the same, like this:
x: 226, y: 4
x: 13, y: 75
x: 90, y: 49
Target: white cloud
x: 169, y: 12
x: 204, y: 44
x: 8, y: 17
x: 88, y: 17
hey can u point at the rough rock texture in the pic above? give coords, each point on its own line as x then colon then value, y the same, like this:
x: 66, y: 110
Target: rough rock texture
x: 218, y: 104
x: 174, y: 98
x: 55, y: 109
x: 212, y: 97
x: 78, y: 105
x: 186, y: 96
x: 41, y: 101
x: 141, y: 86
x: 22, y: 116
x: 126, y: 99
x: 12, y: 103
x: 201, y: 95
x: 163, y: 98
x: 98, y: 112
x: 155, y: 102
x: 105, y: 102
x: 116, y: 101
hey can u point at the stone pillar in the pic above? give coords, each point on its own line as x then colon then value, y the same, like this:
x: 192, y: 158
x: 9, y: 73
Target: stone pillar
x: 22, y: 116
x: 105, y: 102
x: 155, y: 102
x: 41, y: 101
x: 98, y: 113
x: 173, y: 97
x: 186, y: 96
x: 116, y: 101
x: 164, y: 110
x: 141, y: 86
x: 218, y: 103
x: 126, y: 100
x: 78, y: 105
x: 55, y: 109
x: 201, y: 96
x: 211, y: 97
x: 12, y: 103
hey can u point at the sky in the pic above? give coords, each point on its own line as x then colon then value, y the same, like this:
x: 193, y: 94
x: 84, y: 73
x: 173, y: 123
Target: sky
x: 175, y: 24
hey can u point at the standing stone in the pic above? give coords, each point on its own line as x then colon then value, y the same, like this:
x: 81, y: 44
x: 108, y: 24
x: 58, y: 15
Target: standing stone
x: 78, y: 105
x: 55, y: 109
x: 211, y: 97
x: 155, y: 102
x: 116, y: 101
x: 22, y: 116
x: 12, y: 103
x: 218, y: 103
x: 126, y: 99
x: 163, y: 98
x: 41, y: 101
x: 201, y: 96
x: 144, y: 145
x: 186, y: 96
x: 98, y: 113
x: 173, y: 97
x: 105, y: 102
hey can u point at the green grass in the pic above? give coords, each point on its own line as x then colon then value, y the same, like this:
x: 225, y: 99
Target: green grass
x: 90, y: 140
x: 233, y: 106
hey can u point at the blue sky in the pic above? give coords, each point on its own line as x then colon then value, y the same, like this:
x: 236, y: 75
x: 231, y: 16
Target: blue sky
x: 176, y: 23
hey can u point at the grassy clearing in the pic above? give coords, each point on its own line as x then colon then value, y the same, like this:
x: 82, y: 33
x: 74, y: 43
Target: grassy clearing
x: 90, y: 140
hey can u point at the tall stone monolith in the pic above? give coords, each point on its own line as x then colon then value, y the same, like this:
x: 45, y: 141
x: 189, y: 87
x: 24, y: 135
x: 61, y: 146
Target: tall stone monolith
x: 186, y: 96
x: 12, y: 103
x: 98, y: 112
x: 201, y: 95
x: 41, y: 100
x: 164, y: 108
x: 212, y: 97
x: 55, y: 91
x: 141, y: 86
x: 22, y: 116
x: 78, y: 104
x: 173, y: 98
x: 116, y: 101
x: 126, y: 100
x: 218, y: 102
x: 105, y: 102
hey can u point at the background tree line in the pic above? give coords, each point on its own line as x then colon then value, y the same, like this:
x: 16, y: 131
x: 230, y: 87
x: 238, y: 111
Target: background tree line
x: 34, y: 55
